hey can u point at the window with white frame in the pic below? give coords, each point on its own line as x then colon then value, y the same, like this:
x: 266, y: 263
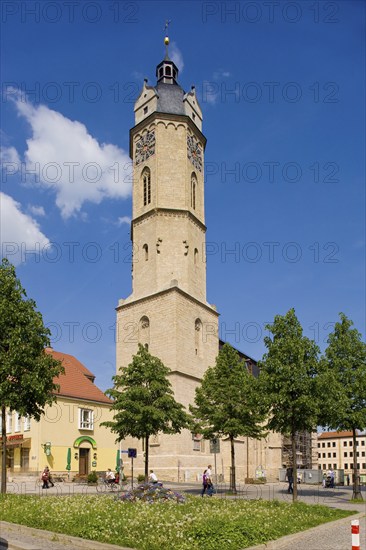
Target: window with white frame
x: 18, y: 421
x: 26, y: 423
x: 9, y: 422
x: 86, y: 419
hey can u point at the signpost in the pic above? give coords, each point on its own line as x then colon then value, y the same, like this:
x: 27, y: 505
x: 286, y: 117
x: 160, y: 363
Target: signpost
x: 214, y: 449
x: 132, y: 453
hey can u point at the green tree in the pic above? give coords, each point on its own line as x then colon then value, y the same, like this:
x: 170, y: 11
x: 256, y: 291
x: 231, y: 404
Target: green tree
x: 226, y: 403
x: 343, y: 384
x: 143, y: 402
x: 26, y: 371
x: 287, y: 378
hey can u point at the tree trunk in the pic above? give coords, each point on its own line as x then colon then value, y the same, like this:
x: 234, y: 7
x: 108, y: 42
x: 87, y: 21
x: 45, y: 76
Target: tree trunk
x: 3, y: 440
x: 146, y: 458
x: 232, y: 469
x: 294, y: 465
x: 356, y: 480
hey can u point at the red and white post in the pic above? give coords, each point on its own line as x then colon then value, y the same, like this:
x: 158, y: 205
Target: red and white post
x: 355, y: 530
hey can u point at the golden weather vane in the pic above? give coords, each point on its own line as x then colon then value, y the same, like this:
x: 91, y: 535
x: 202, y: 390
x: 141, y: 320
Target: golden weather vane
x: 166, y: 39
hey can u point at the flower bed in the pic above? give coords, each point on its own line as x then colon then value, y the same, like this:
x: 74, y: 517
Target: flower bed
x: 147, y: 492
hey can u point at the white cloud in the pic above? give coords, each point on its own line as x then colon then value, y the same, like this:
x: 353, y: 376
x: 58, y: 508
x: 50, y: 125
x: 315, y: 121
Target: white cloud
x: 69, y: 160
x: 9, y: 154
x: 36, y: 210
x: 123, y: 219
x: 220, y: 74
x: 176, y: 55
x: 20, y: 234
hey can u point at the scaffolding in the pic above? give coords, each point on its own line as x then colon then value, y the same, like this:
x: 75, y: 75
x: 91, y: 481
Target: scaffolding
x: 306, y: 450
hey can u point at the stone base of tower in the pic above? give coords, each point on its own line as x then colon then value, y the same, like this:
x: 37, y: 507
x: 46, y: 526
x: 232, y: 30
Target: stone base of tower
x: 182, y: 458
x: 183, y: 333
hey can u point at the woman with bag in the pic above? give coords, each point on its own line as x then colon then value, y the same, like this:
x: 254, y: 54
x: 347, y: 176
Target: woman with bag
x: 45, y: 477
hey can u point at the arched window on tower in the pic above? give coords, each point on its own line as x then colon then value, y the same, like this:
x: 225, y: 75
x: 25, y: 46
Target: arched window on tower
x: 146, y: 183
x: 193, y: 190
x: 144, y: 332
x: 198, y: 337
x: 145, y: 248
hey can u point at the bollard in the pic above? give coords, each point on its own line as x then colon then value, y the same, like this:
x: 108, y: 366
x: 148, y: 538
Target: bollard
x: 355, y: 530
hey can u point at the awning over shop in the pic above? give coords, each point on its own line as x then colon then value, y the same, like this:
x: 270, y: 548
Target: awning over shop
x: 83, y: 438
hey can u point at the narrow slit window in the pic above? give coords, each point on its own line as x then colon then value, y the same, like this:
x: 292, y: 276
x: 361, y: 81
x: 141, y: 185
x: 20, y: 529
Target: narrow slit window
x: 193, y: 191
x: 146, y: 252
x: 146, y: 179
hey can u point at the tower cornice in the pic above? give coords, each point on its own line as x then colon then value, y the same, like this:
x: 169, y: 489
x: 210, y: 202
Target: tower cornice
x: 170, y: 212
x: 124, y: 304
x: 166, y: 116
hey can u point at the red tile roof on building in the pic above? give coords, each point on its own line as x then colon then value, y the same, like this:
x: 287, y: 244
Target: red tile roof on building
x: 77, y: 381
x: 332, y: 435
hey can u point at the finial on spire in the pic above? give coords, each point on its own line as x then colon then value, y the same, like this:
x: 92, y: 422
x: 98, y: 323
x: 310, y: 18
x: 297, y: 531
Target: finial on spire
x: 166, y: 39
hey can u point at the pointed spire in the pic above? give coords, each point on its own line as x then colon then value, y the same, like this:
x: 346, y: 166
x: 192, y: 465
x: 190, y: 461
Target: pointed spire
x: 167, y: 71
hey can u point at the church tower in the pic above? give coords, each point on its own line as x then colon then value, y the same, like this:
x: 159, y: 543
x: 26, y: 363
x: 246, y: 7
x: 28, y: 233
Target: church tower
x: 167, y: 310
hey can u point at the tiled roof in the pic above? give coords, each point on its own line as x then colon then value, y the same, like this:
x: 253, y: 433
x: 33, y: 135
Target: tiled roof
x: 332, y: 435
x: 77, y: 380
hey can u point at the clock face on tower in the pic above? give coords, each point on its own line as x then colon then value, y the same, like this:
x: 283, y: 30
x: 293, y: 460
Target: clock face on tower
x: 194, y: 152
x: 145, y: 147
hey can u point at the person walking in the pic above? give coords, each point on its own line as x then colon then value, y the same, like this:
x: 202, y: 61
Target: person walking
x: 324, y: 482
x: 332, y: 478
x: 210, y: 486
x: 290, y: 479
x: 45, y: 478
x: 204, y: 483
x: 49, y: 477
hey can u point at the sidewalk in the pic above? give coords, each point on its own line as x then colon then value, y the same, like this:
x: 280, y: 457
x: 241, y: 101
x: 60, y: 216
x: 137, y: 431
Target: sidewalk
x: 330, y: 536
x: 19, y: 537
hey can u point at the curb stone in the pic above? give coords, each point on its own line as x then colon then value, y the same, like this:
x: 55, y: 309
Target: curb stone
x: 67, y: 540
x: 283, y: 542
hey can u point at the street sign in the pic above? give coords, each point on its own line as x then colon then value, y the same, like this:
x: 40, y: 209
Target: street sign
x: 214, y: 446
x: 132, y: 453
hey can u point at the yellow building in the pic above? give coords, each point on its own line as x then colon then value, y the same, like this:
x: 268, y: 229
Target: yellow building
x: 335, y: 451
x: 68, y: 438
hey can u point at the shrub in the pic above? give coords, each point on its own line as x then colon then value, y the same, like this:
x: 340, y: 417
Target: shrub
x: 141, y: 478
x: 93, y: 477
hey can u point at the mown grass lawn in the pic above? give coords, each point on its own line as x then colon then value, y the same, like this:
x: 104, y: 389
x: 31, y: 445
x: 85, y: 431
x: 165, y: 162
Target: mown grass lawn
x: 207, y: 524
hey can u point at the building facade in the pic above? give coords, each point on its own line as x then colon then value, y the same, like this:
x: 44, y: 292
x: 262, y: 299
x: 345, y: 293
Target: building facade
x: 68, y: 438
x: 168, y: 311
x: 335, y: 450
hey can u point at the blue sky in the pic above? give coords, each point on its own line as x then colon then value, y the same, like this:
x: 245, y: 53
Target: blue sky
x: 282, y: 90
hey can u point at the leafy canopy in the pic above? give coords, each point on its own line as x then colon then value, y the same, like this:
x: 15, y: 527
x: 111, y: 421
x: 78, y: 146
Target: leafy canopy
x: 288, y: 376
x: 343, y: 373
x: 226, y: 402
x: 26, y: 371
x: 143, y: 400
